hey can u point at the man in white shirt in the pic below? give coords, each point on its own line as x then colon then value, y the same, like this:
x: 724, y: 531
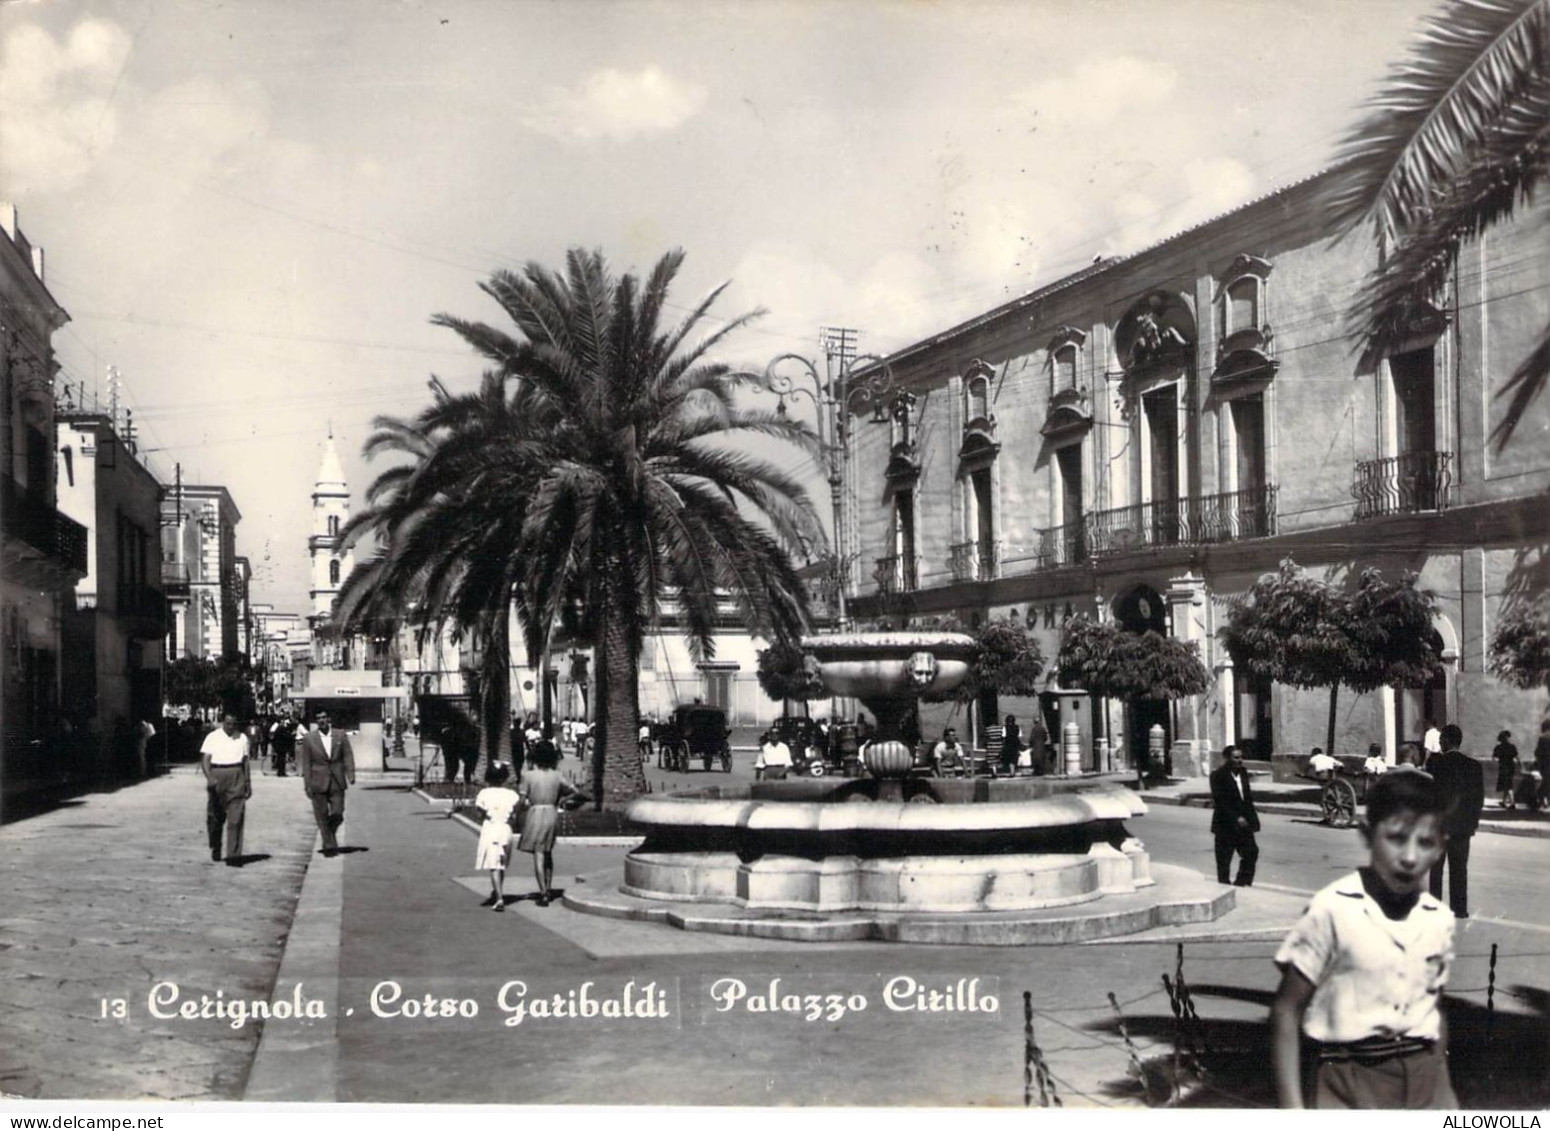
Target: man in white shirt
x: 224, y: 759
x: 1321, y: 764
x: 1431, y: 741
x: 774, y: 760
x: 948, y: 755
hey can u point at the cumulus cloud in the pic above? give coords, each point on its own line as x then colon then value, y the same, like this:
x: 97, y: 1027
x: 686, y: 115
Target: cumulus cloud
x: 1098, y: 92
x: 59, y: 115
x: 617, y: 104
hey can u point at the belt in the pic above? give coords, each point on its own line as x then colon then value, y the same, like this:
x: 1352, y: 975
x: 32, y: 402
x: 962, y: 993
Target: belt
x: 1374, y: 1049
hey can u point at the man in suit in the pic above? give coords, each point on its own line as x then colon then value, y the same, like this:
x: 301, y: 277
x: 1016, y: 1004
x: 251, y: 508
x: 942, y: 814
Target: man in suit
x: 326, y: 765
x: 1461, y: 780
x: 1234, y: 820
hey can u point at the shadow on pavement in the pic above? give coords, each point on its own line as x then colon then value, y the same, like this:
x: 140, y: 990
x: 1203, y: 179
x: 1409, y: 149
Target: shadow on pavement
x: 246, y: 858
x: 344, y: 850
x: 1496, y: 1060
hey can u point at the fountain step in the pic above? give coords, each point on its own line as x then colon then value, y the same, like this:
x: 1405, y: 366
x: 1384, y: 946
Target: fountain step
x: 1178, y: 897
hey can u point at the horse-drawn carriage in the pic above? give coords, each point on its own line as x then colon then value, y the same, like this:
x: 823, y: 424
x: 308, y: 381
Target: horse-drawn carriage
x: 696, y: 732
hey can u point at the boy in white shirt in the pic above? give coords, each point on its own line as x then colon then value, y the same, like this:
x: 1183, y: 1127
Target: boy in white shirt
x: 1362, y: 972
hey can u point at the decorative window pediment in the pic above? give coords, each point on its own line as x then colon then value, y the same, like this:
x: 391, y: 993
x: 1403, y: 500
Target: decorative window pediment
x: 1070, y: 412
x: 1245, y: 352
x: 1420, y: 326
x: 1067, y: 336
x: 978, y: 450
x: 977, y: 416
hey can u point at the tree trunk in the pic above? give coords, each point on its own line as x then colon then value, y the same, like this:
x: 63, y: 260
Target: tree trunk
x: 617, y: 772
x: 1334, y: 695
x: 495, y: 700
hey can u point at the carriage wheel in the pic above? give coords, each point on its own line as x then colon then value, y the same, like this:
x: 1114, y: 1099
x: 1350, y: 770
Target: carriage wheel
x: 1339, y: 804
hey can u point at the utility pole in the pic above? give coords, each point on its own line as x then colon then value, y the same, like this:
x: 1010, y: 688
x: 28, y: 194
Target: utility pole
x: 839, y: 343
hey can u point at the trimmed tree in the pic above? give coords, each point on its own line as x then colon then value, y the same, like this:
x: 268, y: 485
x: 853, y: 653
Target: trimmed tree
x: 1111, y: 662
x: 784, y: 675
x: 1520, y: 647
x: 1295, y: 629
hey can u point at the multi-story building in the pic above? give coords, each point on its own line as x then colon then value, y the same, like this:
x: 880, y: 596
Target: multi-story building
x: 42, y: 551
x: 200, y: 572
x: 114, y: 631
x: 1140, y: 440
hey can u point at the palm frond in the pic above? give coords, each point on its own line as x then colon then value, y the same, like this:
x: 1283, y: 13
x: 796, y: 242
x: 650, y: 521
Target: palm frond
x: 1474, y: 58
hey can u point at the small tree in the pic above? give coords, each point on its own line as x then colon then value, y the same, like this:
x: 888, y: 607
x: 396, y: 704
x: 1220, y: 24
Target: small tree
x: 1294, y: 629
x: 209, y: 684
x: 1520, y: 647
x: 1113, y: 663
x: 784, y: 674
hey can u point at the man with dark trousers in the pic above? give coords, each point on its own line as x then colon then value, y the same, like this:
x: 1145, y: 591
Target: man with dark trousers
x: 1461, y: 780
x: 326, y: 765
x: 1233, y: 818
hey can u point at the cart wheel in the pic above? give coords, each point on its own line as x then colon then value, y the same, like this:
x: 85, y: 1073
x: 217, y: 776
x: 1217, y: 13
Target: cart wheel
x: 1339, y: 803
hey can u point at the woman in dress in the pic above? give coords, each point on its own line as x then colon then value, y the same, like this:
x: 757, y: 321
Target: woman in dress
x: 1506, y: 755
x: 497, y: 805
x: 542, y: 789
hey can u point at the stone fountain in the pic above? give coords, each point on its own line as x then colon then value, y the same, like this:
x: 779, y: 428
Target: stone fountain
x: 894, y: 856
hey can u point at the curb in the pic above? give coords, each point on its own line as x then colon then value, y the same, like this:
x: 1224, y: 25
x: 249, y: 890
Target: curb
x: 1538, y: 832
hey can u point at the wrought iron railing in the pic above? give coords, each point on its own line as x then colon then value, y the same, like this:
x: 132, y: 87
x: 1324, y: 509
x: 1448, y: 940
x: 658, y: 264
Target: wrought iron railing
x: 1405, y: 484
x: 29, y: 516
x: 1224, y: 517
x: 972, y: 561
x: 1062, y: 546
x: 895, y: 574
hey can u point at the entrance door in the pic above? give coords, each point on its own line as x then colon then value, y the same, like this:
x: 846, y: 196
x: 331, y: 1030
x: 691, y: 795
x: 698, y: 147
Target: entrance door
x: 1415, y: 428
x: 1253, y: 716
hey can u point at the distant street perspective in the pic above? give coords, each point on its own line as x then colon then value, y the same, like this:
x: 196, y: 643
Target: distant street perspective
x: 1046, y: 647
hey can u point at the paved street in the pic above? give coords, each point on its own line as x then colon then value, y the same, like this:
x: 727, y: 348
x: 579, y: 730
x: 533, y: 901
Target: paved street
x: 402, y: 916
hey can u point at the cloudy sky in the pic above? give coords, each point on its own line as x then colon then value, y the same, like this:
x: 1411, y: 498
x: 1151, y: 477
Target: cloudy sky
x: 252, y: 209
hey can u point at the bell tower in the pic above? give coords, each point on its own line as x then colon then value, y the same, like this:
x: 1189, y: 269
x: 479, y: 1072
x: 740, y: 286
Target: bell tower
x: 330, y: 511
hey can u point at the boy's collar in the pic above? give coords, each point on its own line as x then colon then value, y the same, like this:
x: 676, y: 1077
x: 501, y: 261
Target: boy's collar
x: 1351, y: 885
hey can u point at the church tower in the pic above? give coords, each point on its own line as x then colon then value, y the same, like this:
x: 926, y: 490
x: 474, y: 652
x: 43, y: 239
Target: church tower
x: 330, y: 511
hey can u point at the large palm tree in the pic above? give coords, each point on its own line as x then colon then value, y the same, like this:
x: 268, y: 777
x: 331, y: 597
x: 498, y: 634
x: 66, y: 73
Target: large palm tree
x: 1456, y: 142
x: 448, y: 542
x: 631, y: 466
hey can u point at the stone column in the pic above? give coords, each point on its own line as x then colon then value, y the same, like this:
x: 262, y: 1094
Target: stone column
x: 1187, y: 606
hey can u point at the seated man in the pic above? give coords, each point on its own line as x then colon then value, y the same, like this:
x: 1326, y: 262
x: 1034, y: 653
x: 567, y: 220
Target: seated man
x: 1322, y: 765
x: 774, y: 760
x: 948, y: 756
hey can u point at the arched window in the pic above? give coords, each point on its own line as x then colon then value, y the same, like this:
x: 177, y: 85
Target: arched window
x: 1065, y: 367
x: 1243, y: 304
x: 976, y: 398
x: 333, y: 572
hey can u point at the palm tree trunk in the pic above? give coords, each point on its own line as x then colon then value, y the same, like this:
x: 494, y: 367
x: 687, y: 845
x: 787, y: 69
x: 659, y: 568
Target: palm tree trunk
x: 617, y: 773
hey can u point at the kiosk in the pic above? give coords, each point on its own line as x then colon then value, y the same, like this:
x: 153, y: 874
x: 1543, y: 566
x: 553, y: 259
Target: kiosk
x: 355, y: 700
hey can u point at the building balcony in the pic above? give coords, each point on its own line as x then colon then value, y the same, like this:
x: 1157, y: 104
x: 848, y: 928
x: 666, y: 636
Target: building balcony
x: 174, y: 580
x: 1061, y: 546
x: 144, y: 610
x: 896, y: 574
x: 1225, y: 517
x: 38, y: 532
x: 972, y: 561
x: 1405, y: 484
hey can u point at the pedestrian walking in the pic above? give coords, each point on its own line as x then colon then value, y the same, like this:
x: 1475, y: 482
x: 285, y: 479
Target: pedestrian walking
x: 542, y: 791
x: 144, y: 732
x: 1234, y: 820
x: 326, y: 765
x: 224, y: 759
x: 1038, y: 744
x: 1011, y: 745
x: 498, y: 805
x: 1506, y: 755
x: 1362, y: 971
x: 282, y: 741
x: 1461, y: 780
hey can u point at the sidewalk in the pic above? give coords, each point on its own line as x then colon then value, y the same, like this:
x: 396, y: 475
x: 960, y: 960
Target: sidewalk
x: 1300, y: 799
x: 367, y: 935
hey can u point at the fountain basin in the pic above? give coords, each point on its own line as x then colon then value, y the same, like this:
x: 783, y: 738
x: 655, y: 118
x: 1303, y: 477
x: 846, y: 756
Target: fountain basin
x: 827, y: 845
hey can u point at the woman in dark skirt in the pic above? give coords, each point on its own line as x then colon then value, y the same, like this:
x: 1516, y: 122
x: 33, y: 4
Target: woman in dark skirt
x: 542, y: 790
x: 1506, y: 755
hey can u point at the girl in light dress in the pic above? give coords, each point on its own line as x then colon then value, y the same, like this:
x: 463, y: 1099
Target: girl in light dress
x: 542, y: 789
x: 497, y: 805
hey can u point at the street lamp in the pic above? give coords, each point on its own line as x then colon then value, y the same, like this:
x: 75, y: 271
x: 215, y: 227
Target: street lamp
x: 861, y: 382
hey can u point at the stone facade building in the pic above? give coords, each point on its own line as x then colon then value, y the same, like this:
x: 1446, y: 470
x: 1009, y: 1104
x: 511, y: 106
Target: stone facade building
x: 200, y: 572
x: 1141, y: 440
x: 42, y: 551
